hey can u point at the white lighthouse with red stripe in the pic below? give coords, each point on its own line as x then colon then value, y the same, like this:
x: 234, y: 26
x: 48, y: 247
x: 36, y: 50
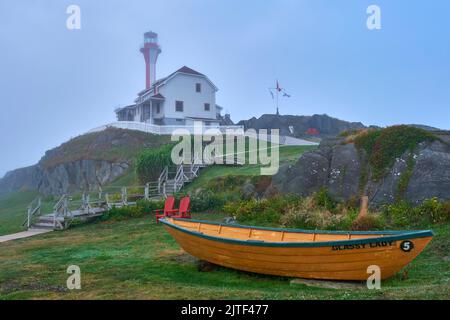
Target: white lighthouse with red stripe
x: 150, y: 50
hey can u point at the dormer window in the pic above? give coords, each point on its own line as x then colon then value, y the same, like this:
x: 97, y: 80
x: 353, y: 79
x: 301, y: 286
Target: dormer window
x: 198, y: 87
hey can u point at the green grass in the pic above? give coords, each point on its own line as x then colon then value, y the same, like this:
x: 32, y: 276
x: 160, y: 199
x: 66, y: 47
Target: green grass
x: 112, y: 144
x: 137, y: 259
x: 287, y: 154
x: 13, y: 210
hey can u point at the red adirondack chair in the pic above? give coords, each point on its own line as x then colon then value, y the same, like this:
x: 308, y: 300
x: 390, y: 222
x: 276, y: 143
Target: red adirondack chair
x: 168, y: 209
x: 183, y: 211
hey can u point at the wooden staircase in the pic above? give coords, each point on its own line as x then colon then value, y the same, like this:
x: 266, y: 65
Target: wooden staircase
x: 173, y: 179
x: 67, y: 209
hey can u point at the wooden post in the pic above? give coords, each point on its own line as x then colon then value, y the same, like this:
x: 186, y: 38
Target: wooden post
x: 146, y: 192
x: 29, y: 217
x: 88, y: 199
x: 364, y: 206
x: 124, y: 196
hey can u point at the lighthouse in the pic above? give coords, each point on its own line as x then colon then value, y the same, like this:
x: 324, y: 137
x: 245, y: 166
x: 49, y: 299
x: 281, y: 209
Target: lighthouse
x: 150, y: 50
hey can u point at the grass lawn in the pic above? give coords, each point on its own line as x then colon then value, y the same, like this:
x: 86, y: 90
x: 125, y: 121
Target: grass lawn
x: 13, y: 210
x: 137, y: 259
x: 288, y: 154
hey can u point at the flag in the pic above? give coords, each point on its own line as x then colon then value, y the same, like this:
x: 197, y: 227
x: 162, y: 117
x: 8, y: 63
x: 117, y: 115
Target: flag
x: 278, y: 87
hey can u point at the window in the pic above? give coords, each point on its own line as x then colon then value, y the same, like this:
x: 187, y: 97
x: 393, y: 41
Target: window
x: 158, y: 109
x: 179, y: 106
x: 198, y: 87
x: 207, y: 107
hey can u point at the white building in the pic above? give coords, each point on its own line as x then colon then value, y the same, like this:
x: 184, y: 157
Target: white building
x: 180, y: 98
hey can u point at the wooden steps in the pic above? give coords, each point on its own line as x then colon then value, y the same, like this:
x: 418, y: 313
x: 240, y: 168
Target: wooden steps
x: 169, y: 183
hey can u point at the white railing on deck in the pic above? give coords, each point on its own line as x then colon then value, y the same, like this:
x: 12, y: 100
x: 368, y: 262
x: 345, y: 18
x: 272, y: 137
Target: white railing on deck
x: 157, y: 129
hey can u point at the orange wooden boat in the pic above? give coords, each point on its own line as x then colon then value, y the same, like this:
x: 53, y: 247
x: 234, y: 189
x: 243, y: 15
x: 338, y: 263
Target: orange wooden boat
x: 338, y: 255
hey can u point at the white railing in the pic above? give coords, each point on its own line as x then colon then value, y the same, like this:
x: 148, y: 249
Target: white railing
x: 34, y: 208
x: 161, y: 130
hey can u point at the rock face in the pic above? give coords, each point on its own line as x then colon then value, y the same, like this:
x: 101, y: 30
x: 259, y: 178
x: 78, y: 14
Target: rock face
x: 302, y: 126
x: 83, y: 163
x: 338, y: 167
x: 77, y: 175
x: 18, y: 179
x: 431, y: 177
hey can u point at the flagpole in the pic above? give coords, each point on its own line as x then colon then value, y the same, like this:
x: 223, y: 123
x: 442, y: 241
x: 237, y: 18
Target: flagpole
x: 277, y: 99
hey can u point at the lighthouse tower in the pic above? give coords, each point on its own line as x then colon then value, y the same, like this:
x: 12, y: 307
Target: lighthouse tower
x: 150, y: 50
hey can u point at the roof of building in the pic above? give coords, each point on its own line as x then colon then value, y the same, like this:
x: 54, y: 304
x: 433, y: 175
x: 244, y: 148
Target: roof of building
x: 118, y: 109
x: 188, y: 70
x: 183, y: 69
x: 157, y: 96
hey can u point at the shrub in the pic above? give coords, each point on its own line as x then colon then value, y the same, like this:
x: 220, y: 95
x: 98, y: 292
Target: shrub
x: 431, y: 211
x: 261, y: 211
x: 366, y: 140
x: 207, y: 201
x: 151, y: 162
x: 324, y: 200
x: 397, y: 214
x: 141, y: 208
x: 367, y: 222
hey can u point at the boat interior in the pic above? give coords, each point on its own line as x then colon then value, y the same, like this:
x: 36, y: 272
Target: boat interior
x: 241, y: 232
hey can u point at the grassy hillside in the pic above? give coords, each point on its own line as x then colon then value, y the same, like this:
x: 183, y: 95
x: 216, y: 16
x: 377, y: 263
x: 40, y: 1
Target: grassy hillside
x: 13, y: 210
x: 137, y: 259
x: 14, y: 205
x: 112, y: 144
x: 288, y: 154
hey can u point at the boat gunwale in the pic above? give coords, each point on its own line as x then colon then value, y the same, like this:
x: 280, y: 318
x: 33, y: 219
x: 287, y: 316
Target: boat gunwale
x: 392, y: 235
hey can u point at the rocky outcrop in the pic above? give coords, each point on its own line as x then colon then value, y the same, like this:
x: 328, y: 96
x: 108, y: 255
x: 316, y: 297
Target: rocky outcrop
x: 78, y: 175
x: 83, y: 163
x: 344, y: 171
x: 19, y: 179
x: 322, y: 126
x: 431, y: 176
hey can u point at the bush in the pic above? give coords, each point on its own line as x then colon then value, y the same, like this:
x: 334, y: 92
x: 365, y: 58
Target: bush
x: 431, y: 211
x: 207, y: 201
x: 142, y: 208
x: 151, y: 162
x: 368, y: 222
x: 324, y: 200
x: 261, y: 211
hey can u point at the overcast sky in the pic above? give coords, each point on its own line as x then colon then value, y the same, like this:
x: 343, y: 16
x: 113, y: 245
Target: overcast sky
x: 57, y: 83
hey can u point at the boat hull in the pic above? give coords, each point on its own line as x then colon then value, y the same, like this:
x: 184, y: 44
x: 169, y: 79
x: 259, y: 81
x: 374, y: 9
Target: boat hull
x: 326, y: 260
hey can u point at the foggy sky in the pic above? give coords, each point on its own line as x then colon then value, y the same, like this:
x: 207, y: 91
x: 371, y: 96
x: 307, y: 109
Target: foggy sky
x: 56, y: 83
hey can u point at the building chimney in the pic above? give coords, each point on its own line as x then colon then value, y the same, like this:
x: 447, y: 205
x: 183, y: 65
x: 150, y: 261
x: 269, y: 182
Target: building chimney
x: 150, y: 50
